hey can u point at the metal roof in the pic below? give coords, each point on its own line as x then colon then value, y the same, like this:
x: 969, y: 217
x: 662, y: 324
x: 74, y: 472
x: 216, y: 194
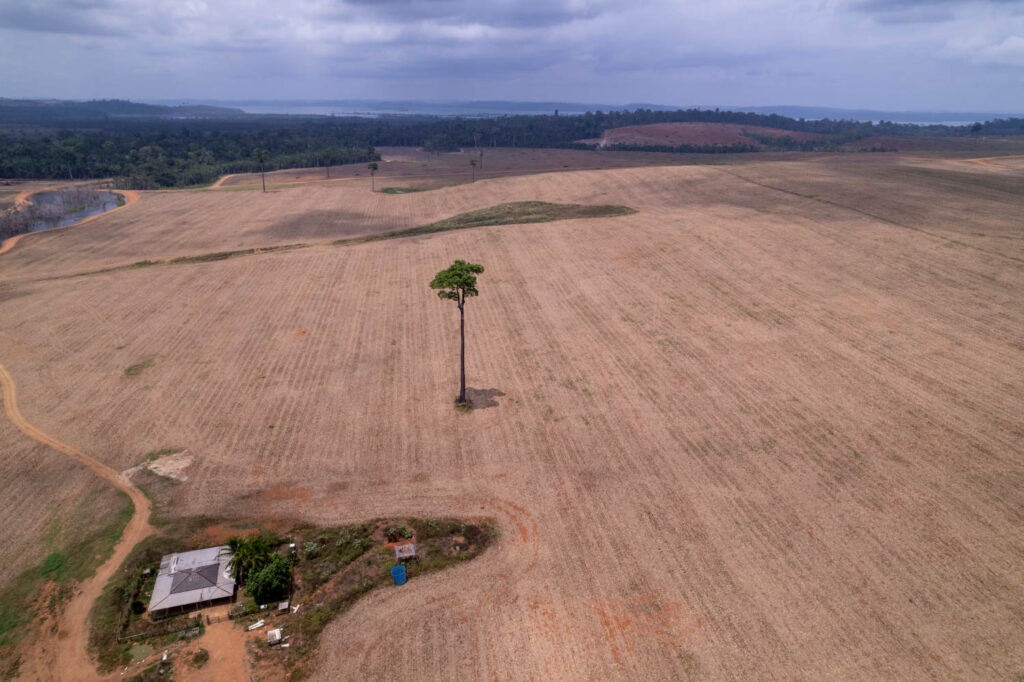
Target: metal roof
x: 193, y: 577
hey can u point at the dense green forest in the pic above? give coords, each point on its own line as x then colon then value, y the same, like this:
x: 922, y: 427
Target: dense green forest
x: 150, y: 159
x: 145, y: 146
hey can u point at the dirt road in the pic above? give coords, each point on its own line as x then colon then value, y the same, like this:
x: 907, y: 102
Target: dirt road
x: 62, y: 655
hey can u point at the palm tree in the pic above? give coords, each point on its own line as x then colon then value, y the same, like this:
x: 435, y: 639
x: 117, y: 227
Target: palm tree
x: 261, y: 156
x: 248, y: 555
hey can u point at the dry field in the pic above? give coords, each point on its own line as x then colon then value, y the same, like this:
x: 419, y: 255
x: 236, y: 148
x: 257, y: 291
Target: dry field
x: 770, y: 426
x: 673, y: 134
x: 411, y: 167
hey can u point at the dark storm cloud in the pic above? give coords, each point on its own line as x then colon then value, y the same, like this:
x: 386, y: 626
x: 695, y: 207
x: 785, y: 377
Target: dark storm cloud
x: 825, y: 52
x: 924, y: 11
x: 502, y: 13
x: 69, y: 17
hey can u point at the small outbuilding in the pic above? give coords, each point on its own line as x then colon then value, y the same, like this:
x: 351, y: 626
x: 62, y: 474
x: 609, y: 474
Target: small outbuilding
x: 191, y: 580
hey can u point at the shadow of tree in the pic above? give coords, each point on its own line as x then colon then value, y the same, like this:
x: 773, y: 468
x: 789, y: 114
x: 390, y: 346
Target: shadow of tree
x: 482, y: 398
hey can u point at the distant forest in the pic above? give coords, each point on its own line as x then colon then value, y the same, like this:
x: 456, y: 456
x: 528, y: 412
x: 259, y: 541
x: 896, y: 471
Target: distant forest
x: 151, y: 146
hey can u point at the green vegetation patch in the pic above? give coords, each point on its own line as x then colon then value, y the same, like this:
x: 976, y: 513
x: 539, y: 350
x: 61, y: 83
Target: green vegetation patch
x: 325, y: 569
x: 404, y: 190
x: 137, y: 369
x: 515, y: 213
x: 200, y: 658
x: 157, y: 454
x: 140, y: 651
x: 74, y: 555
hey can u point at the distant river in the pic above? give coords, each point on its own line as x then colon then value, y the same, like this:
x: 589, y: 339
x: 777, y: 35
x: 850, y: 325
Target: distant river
x: 61, y: 208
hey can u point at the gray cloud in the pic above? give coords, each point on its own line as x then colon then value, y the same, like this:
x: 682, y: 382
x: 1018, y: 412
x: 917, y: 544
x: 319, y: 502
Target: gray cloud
x: 924, y: 11
x: 859, y: 53
x: 70, y: 17
x: 498, y: 14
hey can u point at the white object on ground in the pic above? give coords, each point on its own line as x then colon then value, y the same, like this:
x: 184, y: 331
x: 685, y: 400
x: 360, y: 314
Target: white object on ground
x: 257, y: 625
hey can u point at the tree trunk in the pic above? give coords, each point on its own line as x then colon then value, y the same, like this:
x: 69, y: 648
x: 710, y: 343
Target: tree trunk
x: 263, y: 179
x: 462, y: 352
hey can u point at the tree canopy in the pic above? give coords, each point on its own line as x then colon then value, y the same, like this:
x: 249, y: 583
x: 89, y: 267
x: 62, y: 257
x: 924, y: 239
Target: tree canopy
x: 458, y: 281
x: 249, y: 555
x: 272, y: 581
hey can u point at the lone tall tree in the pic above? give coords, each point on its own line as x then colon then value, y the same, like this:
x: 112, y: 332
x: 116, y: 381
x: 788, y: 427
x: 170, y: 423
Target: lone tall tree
x: 373, y: 171
x: 457, y: 283
x: 261, y: 156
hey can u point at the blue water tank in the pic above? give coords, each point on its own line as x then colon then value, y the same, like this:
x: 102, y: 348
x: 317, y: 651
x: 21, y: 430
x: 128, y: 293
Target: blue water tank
x: 398, y: 573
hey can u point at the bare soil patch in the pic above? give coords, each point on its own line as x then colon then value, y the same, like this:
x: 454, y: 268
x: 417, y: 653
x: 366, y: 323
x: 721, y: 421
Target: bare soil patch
x: 767, y: 426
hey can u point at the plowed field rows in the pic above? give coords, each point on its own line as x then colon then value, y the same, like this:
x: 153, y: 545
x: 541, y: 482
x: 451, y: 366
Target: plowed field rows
x: 769, y: 426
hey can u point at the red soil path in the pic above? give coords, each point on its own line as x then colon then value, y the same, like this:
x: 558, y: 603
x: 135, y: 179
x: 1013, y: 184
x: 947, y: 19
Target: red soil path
x: 62, y: 652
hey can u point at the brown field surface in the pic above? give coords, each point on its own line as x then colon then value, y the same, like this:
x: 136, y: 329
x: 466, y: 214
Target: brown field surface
x: 703, y: 134
x: 769, y: 426
x: 411, y: 167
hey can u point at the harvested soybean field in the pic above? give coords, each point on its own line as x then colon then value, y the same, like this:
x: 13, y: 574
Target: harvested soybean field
x: 768, y: 426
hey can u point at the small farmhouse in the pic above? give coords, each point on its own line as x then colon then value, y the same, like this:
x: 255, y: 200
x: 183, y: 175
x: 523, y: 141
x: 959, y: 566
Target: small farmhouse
x: 192, y: 580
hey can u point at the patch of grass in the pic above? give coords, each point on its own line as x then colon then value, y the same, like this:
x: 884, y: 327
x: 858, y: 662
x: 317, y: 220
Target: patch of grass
x: 137, y: 369
x: 515, y: 213
x: 690, y: 663
x: 404, y: 190
x: 200, y: 658
x: 140, y: 651
x: 157, y: 454
x: 74, y: 558
x: 54, y: 566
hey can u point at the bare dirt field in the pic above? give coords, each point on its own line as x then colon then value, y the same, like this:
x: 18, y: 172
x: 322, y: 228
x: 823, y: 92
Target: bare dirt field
x: 411, y: 167
x: 701, y: 134
x: 769, y: 426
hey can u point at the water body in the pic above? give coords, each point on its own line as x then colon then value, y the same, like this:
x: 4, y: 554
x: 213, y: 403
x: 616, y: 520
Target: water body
x: 62, y: 208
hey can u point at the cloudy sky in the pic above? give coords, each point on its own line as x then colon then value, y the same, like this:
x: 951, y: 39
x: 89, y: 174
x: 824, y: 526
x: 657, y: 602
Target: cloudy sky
x: 885, y: 54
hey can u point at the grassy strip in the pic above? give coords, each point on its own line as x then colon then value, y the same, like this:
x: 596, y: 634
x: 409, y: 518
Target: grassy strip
x: 516, y: 213
x: 403, y: 190
x: 137, y: 369
x: 72, y: 561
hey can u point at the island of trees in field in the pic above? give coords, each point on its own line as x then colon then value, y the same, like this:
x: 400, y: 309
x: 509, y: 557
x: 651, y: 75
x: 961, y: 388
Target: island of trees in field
x: 150, y: 146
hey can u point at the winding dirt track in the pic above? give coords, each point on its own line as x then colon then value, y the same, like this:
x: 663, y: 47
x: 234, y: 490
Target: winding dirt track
x: 63, y: 655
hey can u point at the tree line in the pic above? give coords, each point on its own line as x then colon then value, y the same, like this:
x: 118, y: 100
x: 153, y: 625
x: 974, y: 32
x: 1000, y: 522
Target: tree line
x: 146, y: 153
x: 140, y: 158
